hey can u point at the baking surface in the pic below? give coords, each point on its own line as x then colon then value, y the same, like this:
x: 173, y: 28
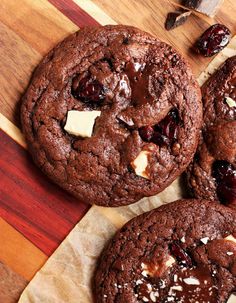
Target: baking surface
x: 35, y: 214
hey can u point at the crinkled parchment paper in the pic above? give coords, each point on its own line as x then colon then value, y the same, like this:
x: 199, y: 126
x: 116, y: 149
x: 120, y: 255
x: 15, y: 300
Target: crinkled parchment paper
x: 66, y: 276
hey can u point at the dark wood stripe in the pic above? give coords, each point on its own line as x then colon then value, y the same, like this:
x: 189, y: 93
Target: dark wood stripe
x: 31, y: 203
x: 72, y: 11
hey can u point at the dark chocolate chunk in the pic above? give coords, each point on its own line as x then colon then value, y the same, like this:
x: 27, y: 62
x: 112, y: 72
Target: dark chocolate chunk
x: 177, y: 18
x: 207, y: 7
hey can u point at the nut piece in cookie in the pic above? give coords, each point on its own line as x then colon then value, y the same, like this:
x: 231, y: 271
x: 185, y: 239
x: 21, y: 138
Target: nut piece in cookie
x: 140, y: 164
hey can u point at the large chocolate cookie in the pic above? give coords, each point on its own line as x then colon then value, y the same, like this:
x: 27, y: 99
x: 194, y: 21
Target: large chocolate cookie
x: 181, y: 252
x: 112, y: 115
x: 212, y: 175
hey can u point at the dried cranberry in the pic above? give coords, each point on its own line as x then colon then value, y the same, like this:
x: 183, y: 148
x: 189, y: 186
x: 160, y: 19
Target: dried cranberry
x: 166, y: 130
x: 213, y: 40
x: 163, y: 133
x: 146, y: 133
x: 180, y: 254
x: 225, y: 175
x: 88, y: 89
x: 159, y: 139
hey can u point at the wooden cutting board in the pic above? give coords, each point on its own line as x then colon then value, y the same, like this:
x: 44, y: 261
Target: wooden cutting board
x: 35, y: 214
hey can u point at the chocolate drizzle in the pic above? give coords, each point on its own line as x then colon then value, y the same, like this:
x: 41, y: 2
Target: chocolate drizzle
x: 139, y: 75
x: 177, y: 283
x: 191, y: 285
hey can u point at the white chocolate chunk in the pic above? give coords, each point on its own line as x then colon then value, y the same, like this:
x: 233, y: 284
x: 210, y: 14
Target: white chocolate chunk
x: 145, y: 273
x: 170, y: 262
x: 230, y: 102
x: 153, y: 297
x: 143, y: 265
x: 230, y: 238
x: 175, y: 278
x: 137, y: 66
x: 204, y: 240
x: 232, y: 299
x: 80, y: 123
x: 229, y: 253
x: 140, y: 164
x: 149, y: 287
x: 191, y: 281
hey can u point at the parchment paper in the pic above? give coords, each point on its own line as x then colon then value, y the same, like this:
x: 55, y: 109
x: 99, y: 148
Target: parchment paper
x: 66, y: 276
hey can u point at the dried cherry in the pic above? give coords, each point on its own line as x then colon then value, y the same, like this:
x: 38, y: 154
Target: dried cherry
x: 87, y: 89
x: 225, y: 175
x: 213, y: 40
x: 146, y: 133
x: 163, y: 133
x: 181, y: 255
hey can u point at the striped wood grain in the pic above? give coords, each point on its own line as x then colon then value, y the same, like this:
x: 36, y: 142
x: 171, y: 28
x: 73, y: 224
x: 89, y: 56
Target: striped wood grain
x: 19, y: 253
x: 24, y: 41
x: 31, y: 203
x: 25, y: 36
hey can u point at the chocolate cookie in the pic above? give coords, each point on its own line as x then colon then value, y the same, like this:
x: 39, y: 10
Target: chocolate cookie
x: 212, y: 175
x: 184, y: 252
x: 112, y: 114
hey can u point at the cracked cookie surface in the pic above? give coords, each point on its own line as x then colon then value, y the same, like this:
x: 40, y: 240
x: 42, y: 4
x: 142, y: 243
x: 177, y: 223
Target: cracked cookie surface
x: 212, y: 174
x: 184, y: 251
x: 138, y: 84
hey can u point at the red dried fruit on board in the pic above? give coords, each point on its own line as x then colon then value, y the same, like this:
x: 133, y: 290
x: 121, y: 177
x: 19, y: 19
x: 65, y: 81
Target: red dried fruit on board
x: 213, y: 40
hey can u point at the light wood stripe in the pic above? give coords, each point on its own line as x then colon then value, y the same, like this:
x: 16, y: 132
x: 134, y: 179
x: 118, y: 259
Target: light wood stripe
x: 18, y: 252
x: 9, y: 128
x: 39, y: 23
x: 96, y: 12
